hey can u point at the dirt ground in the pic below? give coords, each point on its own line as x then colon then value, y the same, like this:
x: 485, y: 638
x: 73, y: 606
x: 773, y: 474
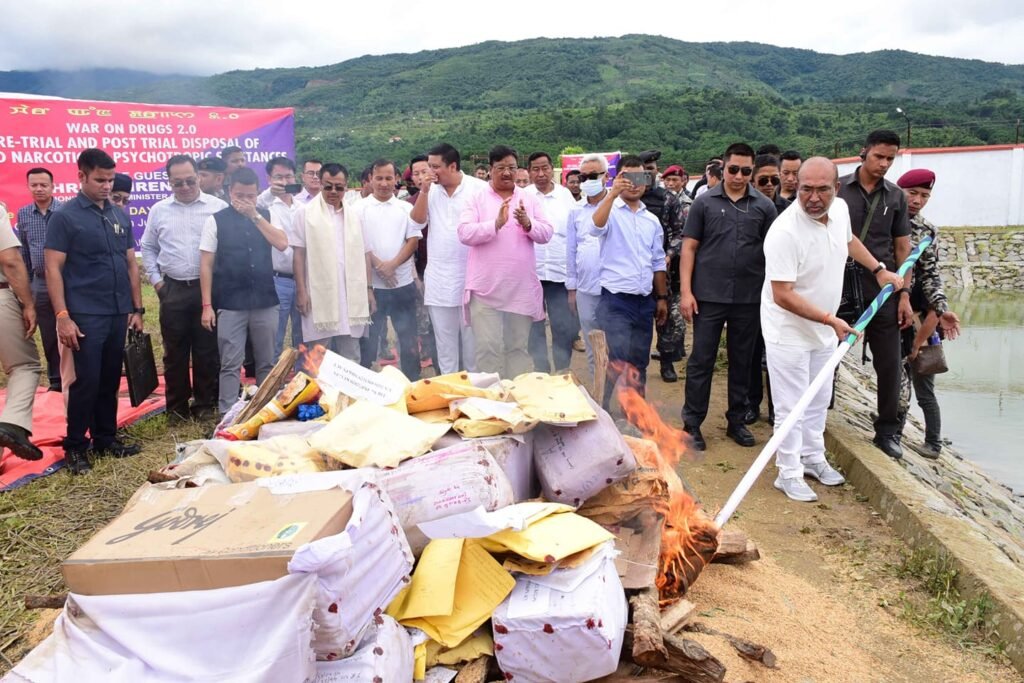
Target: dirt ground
x: 824, y: 597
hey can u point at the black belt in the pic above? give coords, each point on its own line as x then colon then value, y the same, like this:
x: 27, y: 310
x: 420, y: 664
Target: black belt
x: 5, y: 285
x: 286, y: 275
x: 187, y: 283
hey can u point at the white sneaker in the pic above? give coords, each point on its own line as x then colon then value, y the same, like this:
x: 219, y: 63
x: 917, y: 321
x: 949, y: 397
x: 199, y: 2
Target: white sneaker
x: 796, y: 489
x: 824, y: 473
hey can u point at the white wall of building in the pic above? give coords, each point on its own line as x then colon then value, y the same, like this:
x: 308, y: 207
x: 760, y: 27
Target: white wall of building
x: 974, y: 186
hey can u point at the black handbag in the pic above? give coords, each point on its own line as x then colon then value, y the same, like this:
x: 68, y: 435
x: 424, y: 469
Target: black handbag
x: 930, y: 360
x: 851, y: 304
x: 140, y: 367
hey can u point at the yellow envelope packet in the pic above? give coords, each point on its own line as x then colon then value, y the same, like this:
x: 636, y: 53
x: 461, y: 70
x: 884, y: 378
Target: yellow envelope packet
x: 550, y: 539
x: 437, y: 392
x: 419, y: 662
x: 366, y: 434
x: 551, y: 398
x: 477, y: 646
x: 281, y: 455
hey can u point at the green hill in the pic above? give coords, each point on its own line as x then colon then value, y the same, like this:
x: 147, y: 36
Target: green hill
x: 689, y: 99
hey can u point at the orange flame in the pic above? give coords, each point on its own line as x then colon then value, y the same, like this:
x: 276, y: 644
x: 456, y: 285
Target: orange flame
x: 689, y: 539
x: 312, y: 358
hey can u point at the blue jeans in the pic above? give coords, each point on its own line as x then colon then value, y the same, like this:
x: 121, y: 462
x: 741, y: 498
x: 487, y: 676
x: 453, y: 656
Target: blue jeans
x: 285, y: 287
x: 628, y: 324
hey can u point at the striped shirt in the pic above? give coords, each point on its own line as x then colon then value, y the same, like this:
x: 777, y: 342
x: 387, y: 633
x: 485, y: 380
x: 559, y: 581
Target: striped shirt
x: 32, y: 230
x: 170, y: 244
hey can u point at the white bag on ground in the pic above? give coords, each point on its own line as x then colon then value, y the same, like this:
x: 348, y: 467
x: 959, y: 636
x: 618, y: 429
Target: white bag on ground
x: 358, y: 572
x: 443, y: 483
x: 574, y: 463
x: 546, y: 636
x: 385, y: 654
x: 291, y: 427
x: 256, y: 632
x: 513, y: 453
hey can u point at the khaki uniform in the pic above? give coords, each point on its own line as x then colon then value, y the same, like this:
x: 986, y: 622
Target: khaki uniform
x: 18, y: 356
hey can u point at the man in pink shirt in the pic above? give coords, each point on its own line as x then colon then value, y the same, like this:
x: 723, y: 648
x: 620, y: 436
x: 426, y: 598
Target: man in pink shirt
x: 500, y: 225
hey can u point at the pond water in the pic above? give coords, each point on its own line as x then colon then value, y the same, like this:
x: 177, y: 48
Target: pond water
x: 982, y: 395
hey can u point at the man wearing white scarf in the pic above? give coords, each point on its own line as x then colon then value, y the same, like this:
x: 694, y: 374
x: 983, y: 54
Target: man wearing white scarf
x: 331, y: 268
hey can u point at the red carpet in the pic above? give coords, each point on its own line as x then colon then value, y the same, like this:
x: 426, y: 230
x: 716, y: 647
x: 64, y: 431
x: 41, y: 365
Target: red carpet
x: 48, y: 429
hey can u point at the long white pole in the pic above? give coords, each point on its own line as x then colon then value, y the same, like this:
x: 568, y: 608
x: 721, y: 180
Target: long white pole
x: 769, y: 449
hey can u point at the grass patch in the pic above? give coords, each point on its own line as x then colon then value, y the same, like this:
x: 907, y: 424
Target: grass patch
x: 939, y: 606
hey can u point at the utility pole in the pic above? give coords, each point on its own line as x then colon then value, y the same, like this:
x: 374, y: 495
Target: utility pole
x: 904, y: 115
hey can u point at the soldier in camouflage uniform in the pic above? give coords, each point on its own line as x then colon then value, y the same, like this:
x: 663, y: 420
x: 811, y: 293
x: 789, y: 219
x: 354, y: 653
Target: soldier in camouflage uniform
x: 669, y: 211
x: 929, y: 301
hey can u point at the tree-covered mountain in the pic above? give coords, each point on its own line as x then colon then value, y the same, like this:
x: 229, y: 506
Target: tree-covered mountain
x: 689, y: 99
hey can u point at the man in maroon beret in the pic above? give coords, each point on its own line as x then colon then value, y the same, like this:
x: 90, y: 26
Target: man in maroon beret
x: 928, y: 302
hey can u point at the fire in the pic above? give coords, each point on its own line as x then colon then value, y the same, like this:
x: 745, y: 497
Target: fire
x: 689, y: 539
x: 312, y: 358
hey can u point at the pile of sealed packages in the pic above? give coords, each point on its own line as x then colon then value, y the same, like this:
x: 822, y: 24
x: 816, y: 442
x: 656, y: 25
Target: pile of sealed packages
x: 359, y: 527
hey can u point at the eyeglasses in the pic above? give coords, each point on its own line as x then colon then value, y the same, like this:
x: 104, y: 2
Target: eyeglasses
x: 327, y: 187
x: 120, y: 200
x: 733, y: 169
x: 591, y: 176
x: 309, y: 173
x: 504, y: 169
x: 822, y: 191
x: 766, y: 180
x: 191, y: 182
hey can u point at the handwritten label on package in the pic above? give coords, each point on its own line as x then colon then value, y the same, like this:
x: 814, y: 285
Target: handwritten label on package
x: 358, y: 382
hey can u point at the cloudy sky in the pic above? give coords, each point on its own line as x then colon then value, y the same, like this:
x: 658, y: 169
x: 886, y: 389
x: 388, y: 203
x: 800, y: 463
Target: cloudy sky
x: 210, y: 36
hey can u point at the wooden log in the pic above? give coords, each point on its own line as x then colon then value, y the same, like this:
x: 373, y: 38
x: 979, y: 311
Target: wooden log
x: 45, y: 601
x: 684, y: 657
x: 599, y: 345
x: 647, y: 634
x: 746, y: 649
x: 677, y: 616
x: 735, y: 548
x: 474, y: 672
x: 271, y: 385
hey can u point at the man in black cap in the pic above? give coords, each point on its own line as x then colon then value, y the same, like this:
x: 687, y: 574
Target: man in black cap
x: 211, y: 176
x: 668, y: 211
x: 878, y: 212
x: 121, y: 192
x: 93, y: 279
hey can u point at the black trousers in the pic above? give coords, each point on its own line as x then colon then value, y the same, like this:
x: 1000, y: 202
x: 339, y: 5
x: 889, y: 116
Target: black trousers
x: 883, y: 339
x: 744, y: 326
x: 92, y: 397
x: 399, y: 304
x: 564, y: 328
x: 759, y: 378
x: 628, y: 324
x: 46, y: 320
x: 185, y: 341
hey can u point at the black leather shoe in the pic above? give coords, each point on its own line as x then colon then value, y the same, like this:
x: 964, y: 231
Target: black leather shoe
x: 16, y: 439
x: 696, y: 438
x: 668, y: 373
x: 888, y: 444
x: 751, y: 416
x: 740, y: 434
x: 119, y: 449
x: 931, y: 450
x: 76, y: 462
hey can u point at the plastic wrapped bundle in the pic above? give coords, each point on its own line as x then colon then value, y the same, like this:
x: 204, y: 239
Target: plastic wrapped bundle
x: 542, y: 635
x: 443, y: 483
x: 574, y: 463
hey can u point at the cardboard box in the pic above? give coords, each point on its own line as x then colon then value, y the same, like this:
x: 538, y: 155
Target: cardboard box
x: 203, y: 538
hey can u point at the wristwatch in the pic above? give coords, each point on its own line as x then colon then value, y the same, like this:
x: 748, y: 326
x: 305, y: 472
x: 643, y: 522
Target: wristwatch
x: 878, y: 268
x: 661, y: 297
x: 139, y: 311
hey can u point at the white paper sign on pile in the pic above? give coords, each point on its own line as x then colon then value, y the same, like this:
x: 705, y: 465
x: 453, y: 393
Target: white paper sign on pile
x: 575, y: 463
x: 542, y: 635
x: 443, y: 483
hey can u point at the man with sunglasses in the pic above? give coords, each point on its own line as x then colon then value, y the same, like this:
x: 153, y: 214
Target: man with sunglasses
x: 170, y: 254
x: 211, y: 176
x: 721, y: 274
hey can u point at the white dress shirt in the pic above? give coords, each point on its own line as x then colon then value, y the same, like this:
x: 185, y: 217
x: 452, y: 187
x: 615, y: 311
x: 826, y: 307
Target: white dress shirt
x: 445, y: 276
x: 632, y: 249
x: 281, y: 217
x: 583, y: 251
x: 170, y: 244
x: 386, y: 227
x: 557, y: 205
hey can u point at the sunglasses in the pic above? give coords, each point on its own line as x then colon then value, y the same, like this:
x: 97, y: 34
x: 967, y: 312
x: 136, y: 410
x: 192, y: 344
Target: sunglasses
x: 591, y: 176
x: 191, y: 182
x: 767, y: 180
x: 733, y: 169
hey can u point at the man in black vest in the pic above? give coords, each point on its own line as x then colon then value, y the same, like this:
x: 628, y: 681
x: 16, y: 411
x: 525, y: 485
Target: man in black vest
x: 236, y: 277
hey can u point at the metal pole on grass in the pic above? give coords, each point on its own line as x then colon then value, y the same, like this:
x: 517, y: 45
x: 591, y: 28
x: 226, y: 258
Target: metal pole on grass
x: 769, y: 449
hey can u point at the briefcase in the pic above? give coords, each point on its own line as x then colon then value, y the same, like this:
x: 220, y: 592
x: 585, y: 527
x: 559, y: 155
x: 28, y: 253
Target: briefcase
x: 140, y: 367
